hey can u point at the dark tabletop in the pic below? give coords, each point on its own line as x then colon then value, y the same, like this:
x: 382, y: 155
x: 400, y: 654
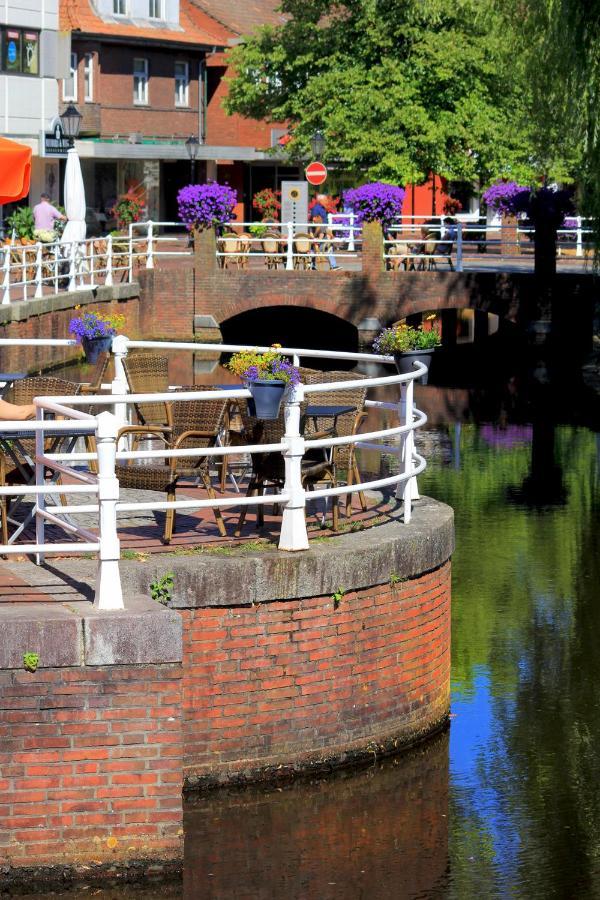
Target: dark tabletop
x: 328, y: 411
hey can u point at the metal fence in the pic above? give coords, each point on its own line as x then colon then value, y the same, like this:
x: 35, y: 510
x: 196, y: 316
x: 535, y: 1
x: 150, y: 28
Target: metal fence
x: 106, y: 428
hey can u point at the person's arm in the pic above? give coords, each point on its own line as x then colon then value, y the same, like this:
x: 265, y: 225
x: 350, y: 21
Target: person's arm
x: 10, y: 412
x: 58, y: 215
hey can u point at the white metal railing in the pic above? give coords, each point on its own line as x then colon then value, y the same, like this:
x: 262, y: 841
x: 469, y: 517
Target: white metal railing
x: 417, y: 241
x: 29, y: 271
x: 241, y: 240
x: 398, y: 439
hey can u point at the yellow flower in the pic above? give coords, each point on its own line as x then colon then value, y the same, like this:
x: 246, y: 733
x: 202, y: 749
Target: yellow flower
x: 276, y: 346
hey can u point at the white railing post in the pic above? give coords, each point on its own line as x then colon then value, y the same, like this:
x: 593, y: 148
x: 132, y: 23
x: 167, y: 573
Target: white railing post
x: 459, y: 247
x: 293, y: 534
x: 24, y: 272
x: 130, y: 267
x: 289, y: 264
x: 408, y: 490
x: 56, y: 266
x: 109, y: 262
x: 6, y: 277
x: 38, y: 271
x: 351, y: 241
x: 150, y: 247
x: 119, y: 384
x: 109, y: 593
x: 40, y: 500
x: 579, y: 251
x: 72, y: 281
x: 92, y: 263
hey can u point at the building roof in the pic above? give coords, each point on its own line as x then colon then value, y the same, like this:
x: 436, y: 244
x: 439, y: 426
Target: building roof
x: 195, y: 26
x: 242, y: 17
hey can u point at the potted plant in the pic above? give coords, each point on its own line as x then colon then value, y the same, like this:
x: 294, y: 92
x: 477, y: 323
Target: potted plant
x: 408, y: 345
x: 96, y: 332
x: 375, y: 202
x: 203, y: 206
x: 266, y: 375
x: 267, y: 202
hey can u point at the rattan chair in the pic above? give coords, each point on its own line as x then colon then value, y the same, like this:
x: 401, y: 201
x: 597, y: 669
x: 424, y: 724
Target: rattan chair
x: 345, y: 425
x: 229, y: 244
x: 269, y: 468
x: 302, y: 250
x: 271, y: 247
x: 23, y: 392
x: 196, y: 424
x: 149, y: 374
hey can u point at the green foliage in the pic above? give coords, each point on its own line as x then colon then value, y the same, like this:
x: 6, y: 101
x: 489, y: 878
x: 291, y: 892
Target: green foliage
x: 401, y: 338
x: 396, y: 579
x: 161, y: 589
x: 22, y: 223
x: 398, y: 88
x: 337, y: 597
x: 258, y: 231
x: 31, y: 661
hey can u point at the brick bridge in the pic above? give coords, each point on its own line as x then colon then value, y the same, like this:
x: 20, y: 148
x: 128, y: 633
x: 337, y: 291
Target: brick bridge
x: 212, y: 298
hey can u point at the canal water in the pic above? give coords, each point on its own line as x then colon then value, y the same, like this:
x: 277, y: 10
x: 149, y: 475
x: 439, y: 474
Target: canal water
x: 506, y: 802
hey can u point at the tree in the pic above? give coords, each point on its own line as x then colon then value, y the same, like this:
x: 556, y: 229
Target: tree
x: 400, y: 87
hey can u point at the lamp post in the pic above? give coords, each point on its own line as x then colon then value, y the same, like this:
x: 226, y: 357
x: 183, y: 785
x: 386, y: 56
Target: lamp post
x: 192, y: 146
x: 71, y: 123
x: 317, y: 144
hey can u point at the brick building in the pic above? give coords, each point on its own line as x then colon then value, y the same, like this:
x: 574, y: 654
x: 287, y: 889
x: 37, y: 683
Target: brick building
x: 146, y: 75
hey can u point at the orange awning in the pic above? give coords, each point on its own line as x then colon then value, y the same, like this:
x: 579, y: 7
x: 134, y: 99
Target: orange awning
x: 15, y: 170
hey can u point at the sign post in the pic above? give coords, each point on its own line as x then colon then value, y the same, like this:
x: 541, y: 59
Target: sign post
x: 316, y: 173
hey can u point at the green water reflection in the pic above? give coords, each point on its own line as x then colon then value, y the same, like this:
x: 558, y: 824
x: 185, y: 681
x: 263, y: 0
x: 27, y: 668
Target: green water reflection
x: 524, y: 762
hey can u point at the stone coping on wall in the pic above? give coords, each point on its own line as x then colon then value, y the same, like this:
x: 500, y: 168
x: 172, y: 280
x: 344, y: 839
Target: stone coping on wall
x: 361, y: 559
x: 21, y: 310
x: 75, y: 633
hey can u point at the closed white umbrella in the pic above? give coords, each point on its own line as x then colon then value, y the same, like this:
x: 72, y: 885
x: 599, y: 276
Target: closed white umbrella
x: 75, y: 229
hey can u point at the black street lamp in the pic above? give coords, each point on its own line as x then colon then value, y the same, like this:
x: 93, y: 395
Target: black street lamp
x: 317, y: 144
x: 192, y: 145
x: 70, y: 120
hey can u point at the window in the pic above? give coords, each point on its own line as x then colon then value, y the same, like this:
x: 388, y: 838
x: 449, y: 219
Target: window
x: 120, y: 7
x: 155, y: 9
x: 20, y: 51
x: 70, y: 83
x: 182, y: 84
x: 140, y: 81
x: 88, y: 77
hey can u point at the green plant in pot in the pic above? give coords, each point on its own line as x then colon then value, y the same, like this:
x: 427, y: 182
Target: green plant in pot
x: 96, y: 332
x: 267, y: 375
x: 408, y: 345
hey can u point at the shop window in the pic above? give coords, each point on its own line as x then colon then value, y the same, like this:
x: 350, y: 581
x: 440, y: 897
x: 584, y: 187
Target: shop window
x: 182, y: 84
x: 70, y: 83
x: 20, y: 51
x: 88, y: 77
x: 140, y: 81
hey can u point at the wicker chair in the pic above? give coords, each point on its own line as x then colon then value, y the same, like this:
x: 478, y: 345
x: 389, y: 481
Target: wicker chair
x: 245, y: 245
x: 149, y: 374
x: 271, y: 247
x: 23, y: 392
x: 269, y: 468
x: 196, y: 424
x: 303, y: 246
x: 347, y: 424
x: 229, y: 243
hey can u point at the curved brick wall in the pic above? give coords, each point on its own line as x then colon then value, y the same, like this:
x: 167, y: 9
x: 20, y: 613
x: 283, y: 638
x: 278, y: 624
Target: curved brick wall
x: 305, y: 681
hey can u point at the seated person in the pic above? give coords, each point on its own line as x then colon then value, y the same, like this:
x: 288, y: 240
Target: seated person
x: 321, y: 246
x: 44, y: 217
x: 13, y: 412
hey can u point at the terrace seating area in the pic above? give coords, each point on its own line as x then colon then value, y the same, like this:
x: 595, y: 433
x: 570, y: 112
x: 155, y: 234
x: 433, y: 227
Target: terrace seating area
x: 179, y: 424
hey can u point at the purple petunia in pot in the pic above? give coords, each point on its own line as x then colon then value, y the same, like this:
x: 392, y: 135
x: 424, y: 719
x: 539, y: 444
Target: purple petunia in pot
x: 375, y: 202
x: 206, y: 205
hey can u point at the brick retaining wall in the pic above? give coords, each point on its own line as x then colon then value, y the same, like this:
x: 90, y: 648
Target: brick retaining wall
x: 90, y: 763
x: 292, y: 683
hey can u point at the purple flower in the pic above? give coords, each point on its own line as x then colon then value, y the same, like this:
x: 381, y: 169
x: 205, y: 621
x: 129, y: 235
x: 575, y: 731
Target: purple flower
x: 375, y: 202
x: 205, y: 205
x: 506, y: 197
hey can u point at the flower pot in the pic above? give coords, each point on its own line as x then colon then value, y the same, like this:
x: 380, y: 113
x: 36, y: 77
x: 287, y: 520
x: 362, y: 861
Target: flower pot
x: 93, y: 347
x: 266, y: 398
x: 404, y: 360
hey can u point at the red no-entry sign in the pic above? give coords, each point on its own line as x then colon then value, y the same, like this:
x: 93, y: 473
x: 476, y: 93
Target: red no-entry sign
x: 316, y: 173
